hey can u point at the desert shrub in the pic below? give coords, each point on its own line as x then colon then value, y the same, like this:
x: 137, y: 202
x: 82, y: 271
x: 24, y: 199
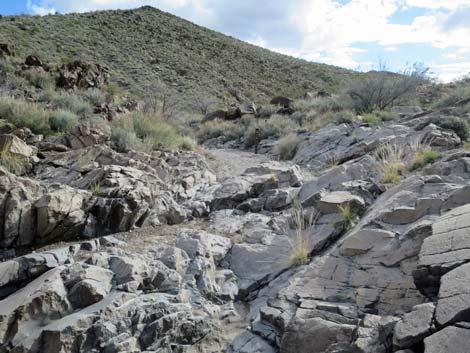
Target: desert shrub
x: 124, y: 138
x: 381, y: 89
x: 385, y: 115
x: 95, y: 96
x: 453, y: 97
x: 216, y: 128
x: 274, y: 127
x: 422, y: 158
x: 342, y: 117
x: 323, y: 104
x: 25, y: 114
x: 68, y: 101
x: 456, y: 124
x: 392, y: 172
x: 153, y: 129
x: 371, y: 119
x: 63, y: 121
x: 287, y: 146
x: 39, y: 79
x: 187, y: 143
x: 267, y: 111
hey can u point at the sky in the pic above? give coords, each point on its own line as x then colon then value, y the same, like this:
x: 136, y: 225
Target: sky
x: 356, y: 34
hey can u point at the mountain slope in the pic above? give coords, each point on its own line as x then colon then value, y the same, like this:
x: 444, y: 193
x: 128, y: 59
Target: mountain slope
x: 144, y: 45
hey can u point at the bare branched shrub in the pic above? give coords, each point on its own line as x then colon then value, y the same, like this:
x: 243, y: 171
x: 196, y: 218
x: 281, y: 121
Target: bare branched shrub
x: 203, y: 105
x: 381, y: 89
x: 160, y: 100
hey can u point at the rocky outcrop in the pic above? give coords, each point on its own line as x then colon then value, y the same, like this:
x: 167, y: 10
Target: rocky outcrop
x: 81, y: 74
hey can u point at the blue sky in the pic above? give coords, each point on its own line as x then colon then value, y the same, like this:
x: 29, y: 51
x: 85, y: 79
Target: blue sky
x: 356, y: 34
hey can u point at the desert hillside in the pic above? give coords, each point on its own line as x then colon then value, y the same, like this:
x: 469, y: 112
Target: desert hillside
x: 145, y: 45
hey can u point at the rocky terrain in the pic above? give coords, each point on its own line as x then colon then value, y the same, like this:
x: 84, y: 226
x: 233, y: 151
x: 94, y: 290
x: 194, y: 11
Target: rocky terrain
x: 322, y: 224
x: 208, y: 259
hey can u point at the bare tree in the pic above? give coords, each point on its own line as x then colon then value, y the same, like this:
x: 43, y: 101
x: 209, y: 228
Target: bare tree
x: 160, y: 100
x: 203, y: 104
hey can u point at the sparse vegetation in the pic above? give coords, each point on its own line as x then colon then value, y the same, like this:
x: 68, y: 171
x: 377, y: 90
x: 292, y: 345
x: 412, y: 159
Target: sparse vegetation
x: 381, y: 89
x: 424, y: 157
x: 287, y: 146
x: 390, y: 158
x: 300, y: 249
x: 453, y: 123
x: 371, y: 119
x: 95, y: 189
x: 25, y: 114
x: 349, y: 216
x: 63, y: 121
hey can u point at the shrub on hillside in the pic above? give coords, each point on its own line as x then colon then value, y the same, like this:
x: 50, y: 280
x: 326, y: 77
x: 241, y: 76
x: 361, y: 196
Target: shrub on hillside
x: 453, y: 97
x: 287, y: 146
x: 63, y: 121
x: 216, y: 128
x: 381, y: 89
x: 25, y: 114
x: 274, y: 127
x: 155, y: 130
x: 68, y: 101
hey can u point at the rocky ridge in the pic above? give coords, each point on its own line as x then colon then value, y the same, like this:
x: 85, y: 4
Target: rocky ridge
x: 389, y: 275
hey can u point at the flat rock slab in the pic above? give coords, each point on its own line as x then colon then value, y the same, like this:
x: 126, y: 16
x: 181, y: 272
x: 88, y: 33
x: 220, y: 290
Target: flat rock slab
x: 454, y: 296
x: 450, y: 340
x: 414, y: 326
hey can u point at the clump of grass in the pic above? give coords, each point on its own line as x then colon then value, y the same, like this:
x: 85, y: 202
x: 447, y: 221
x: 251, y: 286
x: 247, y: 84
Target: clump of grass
x: 371, y: 119
x: 287, y: 146
x: 390, y: 158
x: 14, y: 163
x: 68, y: 101
x: 422, y: 158
x: 300, y: 251
x: 95, y: 189
x: 155, y: 130
x: 350, y: 217
x: 385, y: 115
x: 95, y: 96
x: 187, y: 143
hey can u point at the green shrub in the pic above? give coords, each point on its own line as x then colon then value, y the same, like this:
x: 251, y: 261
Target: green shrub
x: 342, y: 117
x: 70, y: 102
x: 451, y: 98
x: 287, y: 146
x: 95, y: 96
x: 39, y: 79
x: 25, y: 114
x: 423, y: 158
x: 63, y: 121
x: 155, y: 130
x: 371, y: 119
x: 216, y: 128
x: 385, y: 115
x: 274, y: 127
x: 187, y: 143
x: 124, y: 140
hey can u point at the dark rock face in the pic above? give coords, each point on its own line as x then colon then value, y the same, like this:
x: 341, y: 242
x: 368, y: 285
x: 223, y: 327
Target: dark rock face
x: 81, y: 74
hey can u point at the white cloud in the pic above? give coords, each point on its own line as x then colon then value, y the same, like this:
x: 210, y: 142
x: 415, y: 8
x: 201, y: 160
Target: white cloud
x: 451, y: 71
x: 437, y: 4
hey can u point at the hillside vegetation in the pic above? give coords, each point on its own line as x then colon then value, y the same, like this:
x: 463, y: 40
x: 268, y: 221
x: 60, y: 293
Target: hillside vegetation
x: 145, y: 45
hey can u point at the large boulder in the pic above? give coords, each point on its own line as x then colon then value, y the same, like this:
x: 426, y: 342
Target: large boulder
x: 450, y: 340
x: 15, y: 146
x: 415, y: 326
